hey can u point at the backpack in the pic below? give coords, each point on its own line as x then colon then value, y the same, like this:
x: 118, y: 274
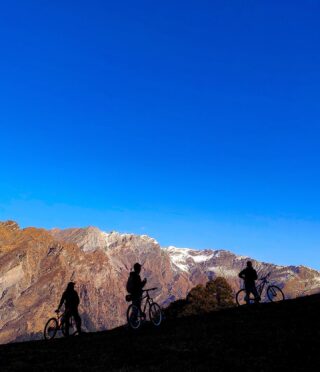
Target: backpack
x: 130, y: 284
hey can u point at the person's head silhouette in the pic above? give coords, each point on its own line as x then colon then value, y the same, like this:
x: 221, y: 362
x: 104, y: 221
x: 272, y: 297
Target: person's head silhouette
x: 137, y: 267
x: 249, y: 264
x: 70, y: 286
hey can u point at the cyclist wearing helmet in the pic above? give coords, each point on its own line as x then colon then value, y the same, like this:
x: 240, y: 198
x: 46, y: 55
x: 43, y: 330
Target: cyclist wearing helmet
x: 249, y: 275
x: 70, y: 299
x: 135, y: 285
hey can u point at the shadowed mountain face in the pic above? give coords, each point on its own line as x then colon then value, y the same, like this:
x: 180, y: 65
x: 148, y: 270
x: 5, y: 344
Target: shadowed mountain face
x: 36, y: 265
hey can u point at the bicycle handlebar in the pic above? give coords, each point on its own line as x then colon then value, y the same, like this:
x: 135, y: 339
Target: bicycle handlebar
x: 150, y: 289
x: 265, y: 277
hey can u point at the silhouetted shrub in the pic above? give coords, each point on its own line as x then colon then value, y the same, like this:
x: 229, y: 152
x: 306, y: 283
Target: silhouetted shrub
x: 215, y: 295
x: 175, y: 308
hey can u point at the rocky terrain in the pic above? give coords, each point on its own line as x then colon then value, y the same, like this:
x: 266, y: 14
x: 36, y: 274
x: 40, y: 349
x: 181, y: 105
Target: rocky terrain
x: 36, y: 264
x: 268, y: 337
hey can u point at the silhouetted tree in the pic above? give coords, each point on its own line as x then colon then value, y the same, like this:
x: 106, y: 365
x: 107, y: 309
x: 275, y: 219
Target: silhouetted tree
x: 199, y: 301
x: 215, y: 295
x: 221, y: 289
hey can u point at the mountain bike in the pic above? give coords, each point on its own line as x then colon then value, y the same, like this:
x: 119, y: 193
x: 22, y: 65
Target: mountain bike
x: 274, y: 293
x: 136, y: 317
x: 58, y: 324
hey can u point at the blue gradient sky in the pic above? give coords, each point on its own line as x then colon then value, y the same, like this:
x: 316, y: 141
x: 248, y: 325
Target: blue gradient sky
x: 197, y: 123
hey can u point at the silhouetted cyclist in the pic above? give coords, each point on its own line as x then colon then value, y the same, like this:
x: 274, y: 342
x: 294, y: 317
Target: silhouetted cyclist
x: 135, y: 285
x: 70, y: 299
x: 249, y: 275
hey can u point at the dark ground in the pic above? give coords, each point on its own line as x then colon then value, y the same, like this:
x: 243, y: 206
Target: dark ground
x: 267, y: 337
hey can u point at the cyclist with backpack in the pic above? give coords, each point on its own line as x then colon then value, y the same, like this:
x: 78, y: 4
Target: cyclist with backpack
x: 249, y: 275
x: 135, y: 285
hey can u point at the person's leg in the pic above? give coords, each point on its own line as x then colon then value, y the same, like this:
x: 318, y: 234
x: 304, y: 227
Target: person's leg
x: 257, y: 297
x: 139, y: 306
x: 66, y: 322
x: 137, y: 303
x: 77, y: 319
x: 247, y: 298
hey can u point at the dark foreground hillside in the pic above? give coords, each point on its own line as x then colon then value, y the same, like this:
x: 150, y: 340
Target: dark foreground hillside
x: 269, y: 337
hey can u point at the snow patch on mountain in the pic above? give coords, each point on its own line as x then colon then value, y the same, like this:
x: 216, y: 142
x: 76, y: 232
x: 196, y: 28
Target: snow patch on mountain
x: 201, y: 258
x: 186, y: 258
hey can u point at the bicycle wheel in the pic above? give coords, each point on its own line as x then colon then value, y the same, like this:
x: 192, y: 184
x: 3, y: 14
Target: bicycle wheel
x: 50, y: 329
x: 133, y: 317
x: 155, y: 314
x: 275, y: 294
x: 241, y: 297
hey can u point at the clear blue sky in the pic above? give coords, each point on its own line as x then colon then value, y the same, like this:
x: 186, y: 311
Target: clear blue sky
x: 196, y: 122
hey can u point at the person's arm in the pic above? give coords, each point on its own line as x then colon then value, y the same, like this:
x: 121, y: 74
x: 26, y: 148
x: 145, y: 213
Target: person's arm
x: 255, y: 276
x: 242, y: 275
x: 143, y: 283
x: 61, y: 301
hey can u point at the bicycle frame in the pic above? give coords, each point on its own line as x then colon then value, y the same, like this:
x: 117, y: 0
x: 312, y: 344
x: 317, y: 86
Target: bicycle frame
x: 261, y: 285
x: 61, y: 319
x: 149, y: 300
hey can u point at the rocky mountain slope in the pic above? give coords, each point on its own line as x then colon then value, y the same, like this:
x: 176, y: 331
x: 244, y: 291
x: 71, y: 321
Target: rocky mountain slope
x: 36, y: 264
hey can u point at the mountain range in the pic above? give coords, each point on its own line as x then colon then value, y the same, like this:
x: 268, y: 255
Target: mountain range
x: 36, y: 264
